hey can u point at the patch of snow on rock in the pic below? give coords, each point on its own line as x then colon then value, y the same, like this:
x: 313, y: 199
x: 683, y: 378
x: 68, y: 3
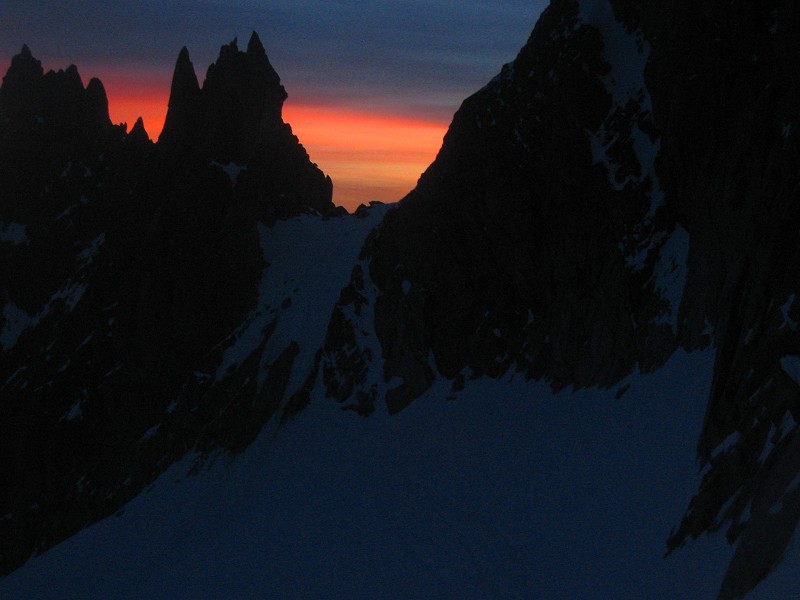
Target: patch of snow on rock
x: 627, y: 55
x: 232, y: 170
x: 786, y: 309
x: 13, y: 234
x: 74, y: 412
x: 727, y: 444
x: 86, y: 256
x: 791, y: 366
x: 17, y: 320
x: 671, y: 271
x: 150, y: 433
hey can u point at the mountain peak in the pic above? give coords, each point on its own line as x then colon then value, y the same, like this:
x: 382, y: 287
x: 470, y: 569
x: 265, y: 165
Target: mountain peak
x: 97, y: 103
x: 251, y: 69
x: 254, y: 46
x: 179, y: 122
x: 24, y: 68
x: 76, y: 116
x: 229, y: 50
x: 138, y: 133
x: 183, y: 58
x: 96, y: 87
x: 73, y: 76
x: 236, y: 117
x: 240, y: 102
x: 184, y: 76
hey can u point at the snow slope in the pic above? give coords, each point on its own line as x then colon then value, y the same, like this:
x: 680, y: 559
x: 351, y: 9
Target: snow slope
x: 506, y: 491
x: 308, y: 261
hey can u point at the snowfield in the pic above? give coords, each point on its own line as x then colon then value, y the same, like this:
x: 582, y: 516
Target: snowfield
x: 507, y: 491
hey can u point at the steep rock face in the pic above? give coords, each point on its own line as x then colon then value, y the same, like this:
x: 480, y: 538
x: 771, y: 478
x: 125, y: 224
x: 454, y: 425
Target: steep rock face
x: 730, y: 160
x: 44, y: 117
x: 551, y: 257
x: 66, y: 174
x: 56, y: 101
x: 180, y: 125
x: 627, y: 185
x: 235, y: 121
x: 125, y: 269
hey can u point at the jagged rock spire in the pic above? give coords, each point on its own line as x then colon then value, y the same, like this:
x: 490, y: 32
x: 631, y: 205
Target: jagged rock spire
x: 23, y: 71
x: 96, y: 103
x: 236, y: 117
x: 30, y: 98
x: 254, y: 46
x: 181, y: 118
x: 185, y: 76
x: 237, y: 109
x: 24, y: 65
x: 138, y: 134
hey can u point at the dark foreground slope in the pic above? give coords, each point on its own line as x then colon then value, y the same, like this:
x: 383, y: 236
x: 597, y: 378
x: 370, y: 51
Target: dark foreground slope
x: 506, y: 490
x: 124, y: 267
x: 627, y: 186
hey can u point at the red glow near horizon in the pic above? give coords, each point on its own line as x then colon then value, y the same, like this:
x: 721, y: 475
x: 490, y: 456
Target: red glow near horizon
x: 134, y: 93
x: 368, y: 156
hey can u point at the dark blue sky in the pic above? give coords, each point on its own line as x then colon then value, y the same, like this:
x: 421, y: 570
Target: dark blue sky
x: 421, y: 57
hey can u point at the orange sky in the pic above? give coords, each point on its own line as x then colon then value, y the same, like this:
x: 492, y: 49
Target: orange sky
x: 368, y: 156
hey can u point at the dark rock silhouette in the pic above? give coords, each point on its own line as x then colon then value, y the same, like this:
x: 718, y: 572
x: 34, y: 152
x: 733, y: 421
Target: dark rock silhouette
x: 236, y: 118
x: 138, y: 261
x: 17, y: 90
x: 530, y: 235
x: 553, y: 231
x: 56, y: 102
x: 44, y: 117
x: 729, y: 161
x: 138, y: 134
x: 182, y: 116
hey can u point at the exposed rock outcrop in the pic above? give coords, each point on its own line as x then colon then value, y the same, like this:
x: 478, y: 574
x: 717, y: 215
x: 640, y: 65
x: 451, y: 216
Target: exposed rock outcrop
x: 626, y: 186
x: 235, y: 120
x: 180, y: 125
x: 551, y: 256
x: 133, y: 265
x: 726, y: 95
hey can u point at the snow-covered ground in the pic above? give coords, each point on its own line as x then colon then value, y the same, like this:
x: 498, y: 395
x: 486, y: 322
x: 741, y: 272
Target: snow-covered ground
x: 17, y: 320
x: 507, y: 491
x: 308, y: 261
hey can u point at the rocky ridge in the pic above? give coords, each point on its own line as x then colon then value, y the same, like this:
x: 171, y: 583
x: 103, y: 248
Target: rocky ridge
x: 125, y: 269
x: 235, y: 122
x: 625, y: 187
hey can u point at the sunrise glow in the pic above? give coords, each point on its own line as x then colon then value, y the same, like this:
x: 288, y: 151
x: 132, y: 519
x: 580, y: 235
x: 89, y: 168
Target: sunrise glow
x: 368, y: 156
x: 133, y: 94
